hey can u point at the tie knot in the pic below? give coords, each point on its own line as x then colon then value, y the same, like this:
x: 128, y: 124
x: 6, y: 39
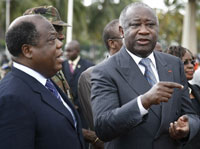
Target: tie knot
x: 72, y: 63
x: 145, y: 62
x: 49, y: 83
x: 50, y: 86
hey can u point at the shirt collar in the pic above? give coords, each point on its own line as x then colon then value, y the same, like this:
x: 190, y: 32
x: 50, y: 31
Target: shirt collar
x: 75, y: 62
x: 137, y: 59
x: 30, y: 72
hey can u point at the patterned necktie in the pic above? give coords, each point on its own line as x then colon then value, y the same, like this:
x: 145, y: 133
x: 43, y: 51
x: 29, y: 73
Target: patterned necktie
x: 52, y: 89
x: 149, y: 75
x: 50, y: 86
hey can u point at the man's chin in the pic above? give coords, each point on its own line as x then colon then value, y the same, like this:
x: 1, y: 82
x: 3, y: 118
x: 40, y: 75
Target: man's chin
x: 143, y: 52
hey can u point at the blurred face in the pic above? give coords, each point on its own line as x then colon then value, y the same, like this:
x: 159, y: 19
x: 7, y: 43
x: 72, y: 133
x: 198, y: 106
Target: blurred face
x: 188, y: 65
x: 118, y: 45
x: 140, y: 31
x: 46, y: 56
x: 72, y: 52
x: 114, y: 45
x: 59, y: 30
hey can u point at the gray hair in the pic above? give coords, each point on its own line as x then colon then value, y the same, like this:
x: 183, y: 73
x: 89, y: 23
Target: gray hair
x: 122, y: 18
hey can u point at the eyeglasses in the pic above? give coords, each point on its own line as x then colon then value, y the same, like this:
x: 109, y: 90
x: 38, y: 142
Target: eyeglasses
x: 186, y: 62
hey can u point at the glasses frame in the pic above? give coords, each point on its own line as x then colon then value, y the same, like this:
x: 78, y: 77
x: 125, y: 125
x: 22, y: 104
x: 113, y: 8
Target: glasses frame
x: 186, y: 62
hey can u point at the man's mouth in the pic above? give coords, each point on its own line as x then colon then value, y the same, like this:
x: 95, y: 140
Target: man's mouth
x: 143, y: 41
x: 60, y: 58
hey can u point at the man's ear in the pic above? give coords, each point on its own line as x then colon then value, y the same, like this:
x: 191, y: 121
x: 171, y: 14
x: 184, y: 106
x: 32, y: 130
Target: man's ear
x: 27, y: 50
x: 111, y: 43
x: 121, y: 31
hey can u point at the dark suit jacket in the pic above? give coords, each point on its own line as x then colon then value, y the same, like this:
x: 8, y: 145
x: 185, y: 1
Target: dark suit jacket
x: 32, y: 118
x: 72, y: 79
x: 116, y: 84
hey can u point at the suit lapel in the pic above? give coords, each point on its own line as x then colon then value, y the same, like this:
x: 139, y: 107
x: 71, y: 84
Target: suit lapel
x: 47, y: 97
x: 68, y: 102
x: 165, y: 74
x: 136, y: 80
x: 134, y: 77
x: 78, y: 67
x: 52, y: 101
x: 131, y: 72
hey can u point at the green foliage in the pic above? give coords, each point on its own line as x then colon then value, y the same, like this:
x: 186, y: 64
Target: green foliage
x: 170, y: 27
x: 89, y: 22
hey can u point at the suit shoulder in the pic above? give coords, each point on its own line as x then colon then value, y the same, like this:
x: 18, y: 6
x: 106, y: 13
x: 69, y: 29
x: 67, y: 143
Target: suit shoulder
x: 106, y: 66
x: 167, y: 57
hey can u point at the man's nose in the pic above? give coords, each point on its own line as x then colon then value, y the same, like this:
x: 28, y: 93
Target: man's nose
x: 143, y: 29
x: 59, y: 43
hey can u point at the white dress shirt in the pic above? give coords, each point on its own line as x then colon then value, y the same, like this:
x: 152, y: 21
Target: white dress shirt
x: 137, y: 59
x: 43, y: 81
x: 74, y: 62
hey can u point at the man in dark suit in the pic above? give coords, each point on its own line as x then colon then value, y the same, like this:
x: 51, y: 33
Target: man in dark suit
x: 35, y: 113
x: 72, y: 69
x: 139, y: 96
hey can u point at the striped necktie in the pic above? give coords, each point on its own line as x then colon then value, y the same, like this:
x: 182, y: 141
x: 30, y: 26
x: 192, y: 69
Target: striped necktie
x: 149, y: 75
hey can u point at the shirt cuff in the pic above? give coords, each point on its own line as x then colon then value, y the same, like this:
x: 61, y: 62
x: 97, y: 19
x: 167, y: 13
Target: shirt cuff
x: 143, y: 111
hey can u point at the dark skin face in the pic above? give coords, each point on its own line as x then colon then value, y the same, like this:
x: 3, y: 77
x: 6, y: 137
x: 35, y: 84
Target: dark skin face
x: 72, y: 51
x: 140, y: 31
x: 115, y: 43
x: 188, y: 68
x: 45, y: 57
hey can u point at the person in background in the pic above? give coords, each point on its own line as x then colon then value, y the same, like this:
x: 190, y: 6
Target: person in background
x: 140, y: 96
x: 53, y: 16
x: 72, y: 69
x: 35, y: 113
x: 194, y: 90
x: 113, y: 42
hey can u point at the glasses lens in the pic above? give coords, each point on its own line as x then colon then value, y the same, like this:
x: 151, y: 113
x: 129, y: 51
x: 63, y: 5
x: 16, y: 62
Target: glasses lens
x: 189, y: 61
x: 193, y: 62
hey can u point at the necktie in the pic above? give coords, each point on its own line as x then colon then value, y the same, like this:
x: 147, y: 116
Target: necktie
x: 71, y: 68
x: 52, y: 89
x: 149, y: 75
x: 50, y: 86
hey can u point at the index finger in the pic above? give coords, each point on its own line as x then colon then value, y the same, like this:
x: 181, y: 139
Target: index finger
x: 173, y: 85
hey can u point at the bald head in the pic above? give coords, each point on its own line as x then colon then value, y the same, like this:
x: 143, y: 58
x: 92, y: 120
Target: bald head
x: 23, y: 30
x: 73, y: 44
